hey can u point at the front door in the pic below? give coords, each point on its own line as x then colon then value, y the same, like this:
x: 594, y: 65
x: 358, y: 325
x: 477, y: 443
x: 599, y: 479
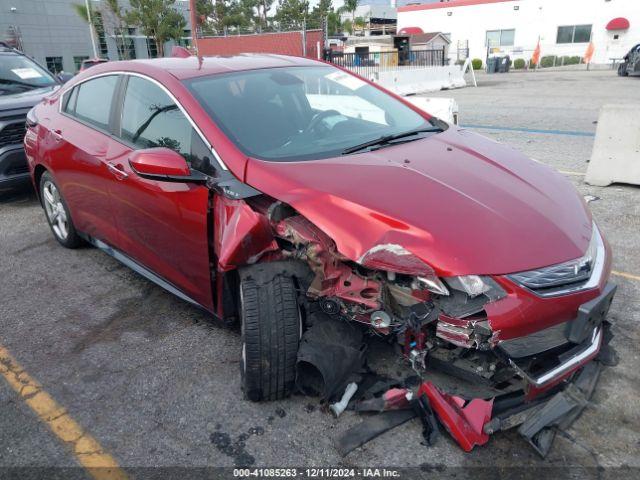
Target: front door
x: 163, y: 225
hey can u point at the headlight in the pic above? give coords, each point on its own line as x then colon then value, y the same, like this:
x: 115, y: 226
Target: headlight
x: 397, y: 259
x: 474, y: 285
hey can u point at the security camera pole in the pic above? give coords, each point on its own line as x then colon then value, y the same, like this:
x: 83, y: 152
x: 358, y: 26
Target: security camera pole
x: 93, y: 40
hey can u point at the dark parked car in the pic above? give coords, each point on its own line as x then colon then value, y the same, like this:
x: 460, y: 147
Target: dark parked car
x: 23, y: 83
x: 91, y: 62
x: 631, y: 63
x: 288, y: 194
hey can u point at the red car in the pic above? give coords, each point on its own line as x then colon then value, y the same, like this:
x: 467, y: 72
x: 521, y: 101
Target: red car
x: 273, y: 190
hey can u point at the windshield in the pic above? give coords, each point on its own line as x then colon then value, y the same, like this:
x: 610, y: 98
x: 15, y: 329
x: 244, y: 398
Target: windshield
x: 18, y: 73
x: 302, y: 113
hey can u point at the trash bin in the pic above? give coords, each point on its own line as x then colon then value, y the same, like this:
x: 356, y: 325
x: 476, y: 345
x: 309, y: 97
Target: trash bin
x: 492, y: 64
x: 504, y: 64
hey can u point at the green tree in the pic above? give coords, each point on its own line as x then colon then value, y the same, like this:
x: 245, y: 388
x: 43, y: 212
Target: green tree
x: 204, y: 14
x: 319, y: 13
x: 351, y: 6
x: 334, y: 25
x: 117, y: 24
x: 292, y: 13
x: 81, y: 10
x: 157, y: 19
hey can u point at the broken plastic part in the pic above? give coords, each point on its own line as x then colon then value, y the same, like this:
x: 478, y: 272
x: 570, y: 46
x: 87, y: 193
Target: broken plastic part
x: 427, y: 416
x: 330, y: 352
x: 393, y: 399
x: 475, y: 285
x: 464, y: 422
x: 339, y: 407
x: 372, y: 427
x: 390, y: 257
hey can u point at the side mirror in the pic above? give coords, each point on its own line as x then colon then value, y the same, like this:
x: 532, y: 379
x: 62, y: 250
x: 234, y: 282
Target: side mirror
x: 163, y: 164
x: 64, y: 77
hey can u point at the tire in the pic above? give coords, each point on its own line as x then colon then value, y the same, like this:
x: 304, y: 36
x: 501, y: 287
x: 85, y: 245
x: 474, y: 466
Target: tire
x: 622, y: 70
x: 271, y: 329
x: 57, y: 213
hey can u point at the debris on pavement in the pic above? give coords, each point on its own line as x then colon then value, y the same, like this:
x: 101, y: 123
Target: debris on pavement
x: 393, y: 399
x: 339, y: 407
x: 372, y: 427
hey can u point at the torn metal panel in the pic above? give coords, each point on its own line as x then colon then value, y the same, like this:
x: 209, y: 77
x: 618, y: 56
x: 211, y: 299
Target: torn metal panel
x: 241, y: 235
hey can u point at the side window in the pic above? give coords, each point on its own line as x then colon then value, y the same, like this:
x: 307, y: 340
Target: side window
x: 91, y: 101
x: 151, y: 119
x: 72, y: 98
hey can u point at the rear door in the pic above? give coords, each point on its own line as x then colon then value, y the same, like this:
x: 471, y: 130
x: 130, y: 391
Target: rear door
x: 80, y: 137
x: 162, y: 225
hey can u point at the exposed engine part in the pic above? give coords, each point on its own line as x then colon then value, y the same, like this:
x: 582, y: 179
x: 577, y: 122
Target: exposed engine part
x: 329, y: 306
x: 380, y: 319
x: 416, y: 357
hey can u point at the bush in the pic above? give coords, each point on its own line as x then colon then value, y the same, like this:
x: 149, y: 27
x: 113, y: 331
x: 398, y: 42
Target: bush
x: 574, y: 61
x: 548, y: 61
x: 477, y: 64
x: 519, y: 63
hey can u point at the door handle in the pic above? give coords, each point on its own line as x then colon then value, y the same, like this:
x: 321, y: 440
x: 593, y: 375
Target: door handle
x: 57, y: 134
x: 117, y: 171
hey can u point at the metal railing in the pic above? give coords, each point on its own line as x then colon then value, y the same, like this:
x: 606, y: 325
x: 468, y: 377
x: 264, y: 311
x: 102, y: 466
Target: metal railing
x: 368, y: 63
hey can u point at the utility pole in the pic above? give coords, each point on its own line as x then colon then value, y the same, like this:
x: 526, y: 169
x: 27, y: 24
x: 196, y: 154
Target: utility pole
x: 93, y: 40
x: 194, y: 25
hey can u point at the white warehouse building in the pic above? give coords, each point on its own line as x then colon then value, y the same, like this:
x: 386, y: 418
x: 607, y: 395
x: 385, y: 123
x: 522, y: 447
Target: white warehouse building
x: 564, y: 28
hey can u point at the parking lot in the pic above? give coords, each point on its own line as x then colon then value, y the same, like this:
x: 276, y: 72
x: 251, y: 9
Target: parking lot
x: 156, y: 383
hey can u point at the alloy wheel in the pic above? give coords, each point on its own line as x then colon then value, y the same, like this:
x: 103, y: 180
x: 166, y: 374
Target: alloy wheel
x: 56, y: 212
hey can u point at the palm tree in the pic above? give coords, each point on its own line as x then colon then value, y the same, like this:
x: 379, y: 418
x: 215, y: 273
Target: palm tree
x: 351, y: 6
x: 87, y: 14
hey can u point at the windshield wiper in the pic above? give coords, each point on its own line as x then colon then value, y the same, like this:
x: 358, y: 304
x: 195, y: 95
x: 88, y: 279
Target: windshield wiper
x: 387, y: 139
x: 10, y: 81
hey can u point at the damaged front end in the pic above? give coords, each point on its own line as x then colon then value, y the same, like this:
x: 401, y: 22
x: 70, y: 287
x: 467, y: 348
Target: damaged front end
x: 517, y: 341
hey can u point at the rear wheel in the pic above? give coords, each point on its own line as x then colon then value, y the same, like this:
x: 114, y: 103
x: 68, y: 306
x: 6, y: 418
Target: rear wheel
x: 58, y: 213
x: 271, y: 329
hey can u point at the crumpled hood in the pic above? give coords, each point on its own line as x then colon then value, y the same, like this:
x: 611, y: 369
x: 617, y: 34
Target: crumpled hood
x: 461, y: 202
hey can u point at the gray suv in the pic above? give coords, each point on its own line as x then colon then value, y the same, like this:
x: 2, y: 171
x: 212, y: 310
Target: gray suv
x: 23, y: 83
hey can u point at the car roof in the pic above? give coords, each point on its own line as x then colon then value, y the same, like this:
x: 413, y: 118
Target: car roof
x: 190, y: 67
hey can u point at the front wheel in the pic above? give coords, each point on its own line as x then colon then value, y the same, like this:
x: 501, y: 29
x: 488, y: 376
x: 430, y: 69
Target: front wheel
x: 57, y: 213
x: 622, y: 70
x: 271, y: 329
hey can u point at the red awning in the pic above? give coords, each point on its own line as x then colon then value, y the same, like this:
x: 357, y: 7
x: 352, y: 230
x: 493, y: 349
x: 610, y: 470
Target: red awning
x: 619, y: 23
x: 410, y: 31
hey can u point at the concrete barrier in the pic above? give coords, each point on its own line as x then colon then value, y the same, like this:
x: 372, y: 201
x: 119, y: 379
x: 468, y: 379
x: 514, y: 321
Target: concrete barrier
x: 429, y: 79
x: 444, y: 108
x: 616, y: 149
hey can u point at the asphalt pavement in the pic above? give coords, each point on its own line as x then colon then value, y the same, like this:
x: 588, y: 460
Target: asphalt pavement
x: 156, y: 382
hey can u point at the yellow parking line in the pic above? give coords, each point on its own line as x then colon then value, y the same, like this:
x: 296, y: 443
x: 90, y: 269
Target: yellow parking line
x: 626, y: 275
x: 99, y: 464
x: 569, y: 172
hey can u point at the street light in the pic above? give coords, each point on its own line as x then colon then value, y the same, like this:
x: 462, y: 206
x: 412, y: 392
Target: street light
x: 93, y: 40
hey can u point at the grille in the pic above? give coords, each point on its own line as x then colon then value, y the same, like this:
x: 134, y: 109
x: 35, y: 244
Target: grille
x: 556, y: 275
x: 17, y: 170
x: 578, y: 274
x: 12, y: 134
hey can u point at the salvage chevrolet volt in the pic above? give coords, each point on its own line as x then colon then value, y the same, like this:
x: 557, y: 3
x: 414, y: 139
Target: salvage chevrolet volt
x: 281, y: 193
